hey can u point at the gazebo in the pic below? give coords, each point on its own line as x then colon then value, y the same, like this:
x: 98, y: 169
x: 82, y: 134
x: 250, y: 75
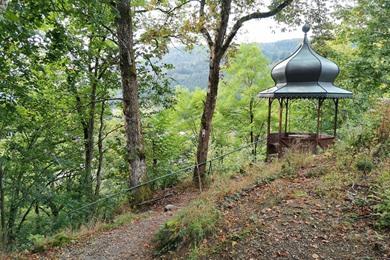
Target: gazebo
x: 303, y: 75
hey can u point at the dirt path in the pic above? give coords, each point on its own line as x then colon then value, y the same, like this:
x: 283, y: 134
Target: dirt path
x: 130, y: 241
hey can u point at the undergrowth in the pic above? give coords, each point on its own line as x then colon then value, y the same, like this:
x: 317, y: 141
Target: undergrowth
x: 200, y: 219
x: 40, y: 243
x: 362, y: 157
x: 191, y: 225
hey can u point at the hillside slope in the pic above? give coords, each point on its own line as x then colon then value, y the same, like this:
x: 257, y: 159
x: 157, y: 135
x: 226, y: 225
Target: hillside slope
x: 191, y: 67
x: 305, y: 211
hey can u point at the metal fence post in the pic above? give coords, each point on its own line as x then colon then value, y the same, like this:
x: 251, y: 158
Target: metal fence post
x: 210, y: 167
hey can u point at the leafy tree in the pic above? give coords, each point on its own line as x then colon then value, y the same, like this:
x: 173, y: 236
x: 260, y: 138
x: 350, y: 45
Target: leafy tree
x: 171, y: 135
x: 218, y: 44
x: 364, y: 37
x: 239, y: 112
x: 59, y: 114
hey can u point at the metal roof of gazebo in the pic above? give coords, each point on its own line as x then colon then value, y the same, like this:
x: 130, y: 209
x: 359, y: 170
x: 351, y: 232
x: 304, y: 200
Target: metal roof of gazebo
x: 305, y: 74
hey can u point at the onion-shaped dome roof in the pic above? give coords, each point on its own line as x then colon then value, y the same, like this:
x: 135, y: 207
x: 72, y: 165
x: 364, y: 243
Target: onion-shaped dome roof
x: 305, y: 74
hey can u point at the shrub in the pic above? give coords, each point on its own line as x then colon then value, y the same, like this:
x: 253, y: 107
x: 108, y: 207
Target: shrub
x: 190, y: 225
x: 364, y: 165
x: 38, y: 242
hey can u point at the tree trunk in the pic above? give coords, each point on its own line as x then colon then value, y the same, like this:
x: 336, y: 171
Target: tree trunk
x: 207, y: 116
x: 13, y: 210
x: 100, y: 151
x: 88, y: 139
x: 216, y: 53
x: 86, y: 178
x: 131, y: 111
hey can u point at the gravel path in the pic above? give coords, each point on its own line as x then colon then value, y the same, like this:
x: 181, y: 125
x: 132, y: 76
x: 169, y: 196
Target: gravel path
x: 132, y: 241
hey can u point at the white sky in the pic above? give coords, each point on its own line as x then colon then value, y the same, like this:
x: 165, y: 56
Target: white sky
x: 266, y: 30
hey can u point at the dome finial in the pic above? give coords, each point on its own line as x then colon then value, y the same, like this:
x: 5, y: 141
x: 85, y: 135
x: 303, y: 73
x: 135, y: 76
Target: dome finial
x: 306, y: 28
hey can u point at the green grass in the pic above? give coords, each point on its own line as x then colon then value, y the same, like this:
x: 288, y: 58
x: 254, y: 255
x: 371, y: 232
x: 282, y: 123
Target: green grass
x: 191, y: 225
x: 41, y: 243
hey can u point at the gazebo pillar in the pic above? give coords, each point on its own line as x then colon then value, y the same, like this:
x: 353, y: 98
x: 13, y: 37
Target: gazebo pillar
x: 280, y: 126
x: 336, y: 108
x: 269, y: 116
x: 270, y: 100
x: 318, y: 120
x: 286, y: 116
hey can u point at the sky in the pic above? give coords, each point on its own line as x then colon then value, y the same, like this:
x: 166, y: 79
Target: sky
x: 265, y: 30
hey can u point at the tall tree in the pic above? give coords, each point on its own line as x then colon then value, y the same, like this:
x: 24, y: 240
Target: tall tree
x: 225, y: 14
x: 135, y: 143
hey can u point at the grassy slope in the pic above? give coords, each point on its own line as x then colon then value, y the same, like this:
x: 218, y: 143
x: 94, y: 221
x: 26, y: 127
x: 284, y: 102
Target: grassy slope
x: 310, y: 208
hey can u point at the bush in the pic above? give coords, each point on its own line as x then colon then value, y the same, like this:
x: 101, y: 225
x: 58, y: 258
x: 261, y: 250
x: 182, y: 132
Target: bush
x: 191, y: 225
x: 364, y: 165
x: 38, y: 242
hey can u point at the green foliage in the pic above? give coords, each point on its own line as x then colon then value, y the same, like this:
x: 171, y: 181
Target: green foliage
x: 364, y: 165
x: 288, y: 170
x: 41, y: 243
x: 38, y: 242
x: 240, y: 116
x: 59, y: 74
x: 60, y: 239
x: 171, y: 136
x: 360, y: 46
x: 191, y: 225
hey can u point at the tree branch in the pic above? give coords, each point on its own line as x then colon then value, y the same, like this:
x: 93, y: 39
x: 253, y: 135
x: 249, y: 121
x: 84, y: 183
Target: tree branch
x: 203, y: 30
x: 165, y: 11
x: 255, y: 15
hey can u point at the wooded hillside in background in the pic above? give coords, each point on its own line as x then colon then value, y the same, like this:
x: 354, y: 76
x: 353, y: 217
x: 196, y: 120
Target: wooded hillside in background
x: 190, y: 67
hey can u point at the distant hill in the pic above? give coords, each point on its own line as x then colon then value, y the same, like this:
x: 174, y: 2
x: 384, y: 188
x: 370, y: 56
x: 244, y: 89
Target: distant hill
x: 191, y: 68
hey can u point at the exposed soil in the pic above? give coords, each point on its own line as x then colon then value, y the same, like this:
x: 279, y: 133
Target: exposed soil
x: 287, y: 219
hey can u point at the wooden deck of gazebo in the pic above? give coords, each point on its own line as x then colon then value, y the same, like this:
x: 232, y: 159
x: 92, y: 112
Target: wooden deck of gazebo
x: 306, y: 141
